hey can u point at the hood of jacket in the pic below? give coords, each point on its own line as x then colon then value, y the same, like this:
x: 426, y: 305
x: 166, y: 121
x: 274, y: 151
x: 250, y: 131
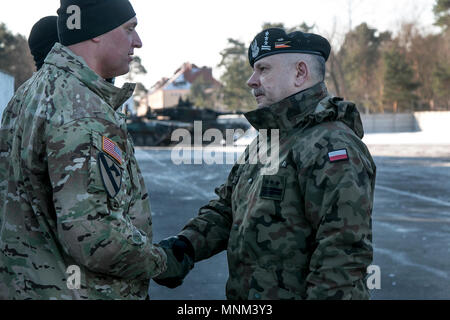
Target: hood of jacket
x: 304, y: 109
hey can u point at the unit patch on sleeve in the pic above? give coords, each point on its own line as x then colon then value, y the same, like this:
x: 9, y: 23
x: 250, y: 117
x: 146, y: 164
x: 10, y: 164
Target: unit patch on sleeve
x: 111, y: 174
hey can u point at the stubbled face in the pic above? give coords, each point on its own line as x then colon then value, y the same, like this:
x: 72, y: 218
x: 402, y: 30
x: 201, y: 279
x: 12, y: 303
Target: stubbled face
x: 273, y: 79
x: 117, y: 49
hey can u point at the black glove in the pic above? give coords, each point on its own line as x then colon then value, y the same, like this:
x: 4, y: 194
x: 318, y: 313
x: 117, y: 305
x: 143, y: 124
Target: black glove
x: 180, y: 260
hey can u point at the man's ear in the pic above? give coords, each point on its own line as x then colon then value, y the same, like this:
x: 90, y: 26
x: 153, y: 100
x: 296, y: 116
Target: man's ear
x: 301, y: 73
x: 96, y: 39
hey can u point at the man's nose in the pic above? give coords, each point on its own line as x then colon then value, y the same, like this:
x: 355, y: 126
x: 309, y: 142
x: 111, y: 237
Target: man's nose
x: 137, y: 43
x: 253, y: 82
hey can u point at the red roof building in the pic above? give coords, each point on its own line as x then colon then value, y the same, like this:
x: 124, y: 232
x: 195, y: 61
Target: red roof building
x: 167, y: 91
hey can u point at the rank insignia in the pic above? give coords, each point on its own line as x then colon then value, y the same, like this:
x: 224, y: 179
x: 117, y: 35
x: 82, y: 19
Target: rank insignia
x: 272, y: 187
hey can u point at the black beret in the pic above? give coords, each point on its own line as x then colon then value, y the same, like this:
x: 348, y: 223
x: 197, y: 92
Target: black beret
x: 275, y: 40
x: 43, y: 36
x: 97, y: 17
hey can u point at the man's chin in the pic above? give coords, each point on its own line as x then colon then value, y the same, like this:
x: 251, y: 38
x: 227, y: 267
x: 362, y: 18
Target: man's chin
x: 123, y: 71
x: 261, y: 103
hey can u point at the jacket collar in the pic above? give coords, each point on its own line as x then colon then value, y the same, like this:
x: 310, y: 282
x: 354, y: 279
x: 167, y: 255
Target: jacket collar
x: 63, y: 58
x: 289, y: 112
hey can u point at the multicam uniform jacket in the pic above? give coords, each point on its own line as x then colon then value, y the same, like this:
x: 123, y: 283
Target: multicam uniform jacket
x: 303, y: 232
x: 71, y: 192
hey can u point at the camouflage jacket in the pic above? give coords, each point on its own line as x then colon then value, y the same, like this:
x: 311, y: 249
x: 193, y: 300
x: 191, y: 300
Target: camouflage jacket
x: 71, y: 192
x: 304, y: 230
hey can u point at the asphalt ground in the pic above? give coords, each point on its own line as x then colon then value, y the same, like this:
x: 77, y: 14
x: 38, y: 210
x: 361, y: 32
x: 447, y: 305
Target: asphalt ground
x: 411, y: 220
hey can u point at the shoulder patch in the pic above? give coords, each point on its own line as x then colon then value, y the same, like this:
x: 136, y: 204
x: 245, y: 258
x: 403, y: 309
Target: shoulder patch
x: 111, y: 174
x: 111, y: 148
x: 338, y: 155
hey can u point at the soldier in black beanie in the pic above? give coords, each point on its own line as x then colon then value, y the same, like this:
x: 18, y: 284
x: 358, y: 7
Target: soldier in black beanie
x: 91, y: 223
x: 43, y: 37
x: 100, y: 31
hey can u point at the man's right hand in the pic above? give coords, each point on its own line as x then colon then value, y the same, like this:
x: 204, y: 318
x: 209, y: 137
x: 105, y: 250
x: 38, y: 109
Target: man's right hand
x: 180, y: 260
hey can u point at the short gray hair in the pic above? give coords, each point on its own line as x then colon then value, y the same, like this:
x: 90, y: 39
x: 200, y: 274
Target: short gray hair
x: 315, y: 63
x: 318, y: 67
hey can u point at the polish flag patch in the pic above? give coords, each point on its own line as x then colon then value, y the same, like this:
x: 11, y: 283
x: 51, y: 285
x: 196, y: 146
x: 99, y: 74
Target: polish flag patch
x: 338, y: 155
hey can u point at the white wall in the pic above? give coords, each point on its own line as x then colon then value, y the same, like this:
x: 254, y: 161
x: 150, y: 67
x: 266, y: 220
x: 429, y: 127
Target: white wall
x: 430, y: 121
x: 6, y: 90
x: 433, y: 121
x: 388, y: 122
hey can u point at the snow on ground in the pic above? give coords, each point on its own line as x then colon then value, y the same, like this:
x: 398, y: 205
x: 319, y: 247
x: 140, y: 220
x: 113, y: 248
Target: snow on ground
x: 402, y: 138
x: 408, y: 138
x: 404, y: 144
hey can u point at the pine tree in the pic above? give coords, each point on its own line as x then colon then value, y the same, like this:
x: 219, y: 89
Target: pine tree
x: 236, y: 93
x: 441, y: 11
x: 399, y: 84
x: 441, y: 83
x: 15, y: 56
x: 360, y: 57
x: 201, y: 93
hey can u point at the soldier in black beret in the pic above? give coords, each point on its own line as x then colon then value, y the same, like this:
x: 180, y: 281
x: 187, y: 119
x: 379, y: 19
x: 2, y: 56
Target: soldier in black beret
x: 308, y: 51
x: 42, y: 38
x: 299, y: 228
x: 275, y: 40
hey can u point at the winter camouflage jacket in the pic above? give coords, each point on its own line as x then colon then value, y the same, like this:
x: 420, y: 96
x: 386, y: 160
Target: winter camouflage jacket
x: 71, y: 192
x: 304, y: 230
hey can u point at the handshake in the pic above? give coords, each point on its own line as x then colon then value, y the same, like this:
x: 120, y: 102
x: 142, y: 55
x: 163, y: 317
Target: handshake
x: 180, y: 260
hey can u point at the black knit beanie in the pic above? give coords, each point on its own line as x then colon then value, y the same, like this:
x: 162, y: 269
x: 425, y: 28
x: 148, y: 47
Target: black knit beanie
x: 43, y: 36
x: 96, y: 17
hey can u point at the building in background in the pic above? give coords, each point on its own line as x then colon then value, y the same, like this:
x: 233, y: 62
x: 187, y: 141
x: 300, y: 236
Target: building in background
x: 6, y: 90
x: 167, y: 92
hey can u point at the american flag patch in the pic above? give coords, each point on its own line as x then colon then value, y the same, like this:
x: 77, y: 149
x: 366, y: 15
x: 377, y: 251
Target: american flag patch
x: 338, y: 155
x: 111, y: 148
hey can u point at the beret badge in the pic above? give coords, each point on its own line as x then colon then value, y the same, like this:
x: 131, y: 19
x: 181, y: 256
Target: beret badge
x: 276, y: 40
x: 255, y: 49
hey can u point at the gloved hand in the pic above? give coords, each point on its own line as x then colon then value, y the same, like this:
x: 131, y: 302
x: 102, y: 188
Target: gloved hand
x: 180, y: 260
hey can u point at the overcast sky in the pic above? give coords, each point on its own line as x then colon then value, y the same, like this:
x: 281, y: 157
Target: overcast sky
x: 176, y: 31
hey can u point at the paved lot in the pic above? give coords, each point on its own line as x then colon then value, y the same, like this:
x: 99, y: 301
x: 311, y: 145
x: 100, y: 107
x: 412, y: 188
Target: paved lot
x: 411, y: 220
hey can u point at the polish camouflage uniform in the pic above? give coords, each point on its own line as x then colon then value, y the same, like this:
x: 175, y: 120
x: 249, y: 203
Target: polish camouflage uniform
x: 55, y: 207
x: 305, y: 231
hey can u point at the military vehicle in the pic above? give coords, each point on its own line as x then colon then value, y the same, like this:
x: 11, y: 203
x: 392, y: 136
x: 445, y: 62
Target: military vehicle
x: 145, y: 132
x: 155, y: 129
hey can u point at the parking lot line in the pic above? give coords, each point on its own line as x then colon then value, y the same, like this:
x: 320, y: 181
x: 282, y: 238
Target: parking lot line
x: 414, y: 195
